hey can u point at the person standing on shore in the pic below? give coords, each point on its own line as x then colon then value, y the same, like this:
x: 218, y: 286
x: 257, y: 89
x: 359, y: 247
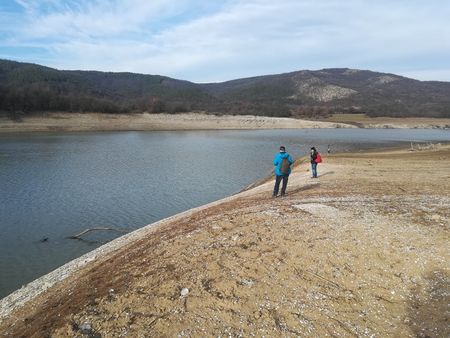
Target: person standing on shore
x: 282, y: 163
x: 315, y: 159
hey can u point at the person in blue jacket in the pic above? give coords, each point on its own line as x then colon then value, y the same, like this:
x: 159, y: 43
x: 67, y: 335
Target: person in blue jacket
x: 282, y: 170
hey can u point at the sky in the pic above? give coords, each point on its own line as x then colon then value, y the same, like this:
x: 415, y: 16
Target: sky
x: 213, y: 41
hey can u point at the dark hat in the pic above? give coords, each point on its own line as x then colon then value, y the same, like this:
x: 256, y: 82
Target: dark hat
x: 282, y: 148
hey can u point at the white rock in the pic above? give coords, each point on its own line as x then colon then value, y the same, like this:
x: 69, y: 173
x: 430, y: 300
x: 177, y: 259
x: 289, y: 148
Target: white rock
x: 85, y: 328
x: 248, y: 282
x: 435, y: 217
x: 184, y: 292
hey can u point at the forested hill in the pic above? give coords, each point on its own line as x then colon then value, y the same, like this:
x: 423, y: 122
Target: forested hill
x: 28, y: 88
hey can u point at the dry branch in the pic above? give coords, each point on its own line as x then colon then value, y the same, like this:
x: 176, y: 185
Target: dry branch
x: 78, y: 236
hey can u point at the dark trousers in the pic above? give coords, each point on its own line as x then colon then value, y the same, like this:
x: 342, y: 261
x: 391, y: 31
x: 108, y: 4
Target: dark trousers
x: 277, y: 184
x: 314, y: 170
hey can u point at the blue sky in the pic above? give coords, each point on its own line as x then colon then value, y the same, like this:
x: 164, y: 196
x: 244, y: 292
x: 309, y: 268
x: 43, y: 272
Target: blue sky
x: 209, y: 41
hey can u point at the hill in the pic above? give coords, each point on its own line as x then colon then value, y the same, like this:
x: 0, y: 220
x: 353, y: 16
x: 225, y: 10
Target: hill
x: 28, y: 88
x: 308, y: 93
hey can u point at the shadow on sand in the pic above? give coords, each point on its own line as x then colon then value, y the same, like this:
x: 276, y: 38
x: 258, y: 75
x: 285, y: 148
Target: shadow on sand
x: 302, y: 188
x: 428, y: 309
x: 327, y: 173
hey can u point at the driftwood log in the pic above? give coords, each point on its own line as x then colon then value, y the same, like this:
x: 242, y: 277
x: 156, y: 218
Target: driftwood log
x: 78, y: 236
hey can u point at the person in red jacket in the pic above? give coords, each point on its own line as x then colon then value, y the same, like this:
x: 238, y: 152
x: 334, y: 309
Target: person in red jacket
x: 315, y: 158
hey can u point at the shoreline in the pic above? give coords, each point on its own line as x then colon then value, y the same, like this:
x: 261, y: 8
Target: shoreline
x: 31, y: 290
x: 75, y: 122
x: 363, y: 121
x: 237, y: 219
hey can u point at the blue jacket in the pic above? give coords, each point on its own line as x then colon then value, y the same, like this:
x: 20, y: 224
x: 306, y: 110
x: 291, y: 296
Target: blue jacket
x: 277, y: 162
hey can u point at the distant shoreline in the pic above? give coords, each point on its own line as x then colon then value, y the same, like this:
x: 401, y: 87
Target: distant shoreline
x: 61, y: 122
x: 73, y: 122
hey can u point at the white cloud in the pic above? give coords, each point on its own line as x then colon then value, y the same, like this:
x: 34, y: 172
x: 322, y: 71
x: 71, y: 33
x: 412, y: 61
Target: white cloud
x: 240, y: 38
x: 28, y: 5
x: 102, y: 19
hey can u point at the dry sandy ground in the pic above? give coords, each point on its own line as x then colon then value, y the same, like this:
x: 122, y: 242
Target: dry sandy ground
x: 363, y: 121
x: 190, y: 121
x: 196, y: 121
x: 362, y: 251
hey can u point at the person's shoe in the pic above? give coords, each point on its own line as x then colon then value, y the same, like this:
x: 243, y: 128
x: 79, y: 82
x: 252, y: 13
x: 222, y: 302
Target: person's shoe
x: 274, y: 196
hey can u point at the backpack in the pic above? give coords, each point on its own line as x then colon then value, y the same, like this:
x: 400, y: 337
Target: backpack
x: 284, y: 167
x: 318, y: 158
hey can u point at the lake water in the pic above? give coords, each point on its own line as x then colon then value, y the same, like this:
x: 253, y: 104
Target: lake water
x: 56, y: 185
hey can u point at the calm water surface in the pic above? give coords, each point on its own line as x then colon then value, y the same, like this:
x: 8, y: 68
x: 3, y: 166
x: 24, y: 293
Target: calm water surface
x: 56, y: 185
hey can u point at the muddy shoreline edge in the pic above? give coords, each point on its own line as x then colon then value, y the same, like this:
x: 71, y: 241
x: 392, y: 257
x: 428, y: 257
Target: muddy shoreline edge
x: 29, y: 291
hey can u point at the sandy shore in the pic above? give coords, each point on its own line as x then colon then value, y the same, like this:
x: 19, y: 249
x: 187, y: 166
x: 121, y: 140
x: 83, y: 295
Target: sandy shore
x: 197, y: 121
x: 360, y: 251
x: 189, y: 121
x: 363, y: 121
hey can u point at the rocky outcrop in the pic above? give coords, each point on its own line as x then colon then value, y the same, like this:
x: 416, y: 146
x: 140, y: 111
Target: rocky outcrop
x: 320, y: 91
